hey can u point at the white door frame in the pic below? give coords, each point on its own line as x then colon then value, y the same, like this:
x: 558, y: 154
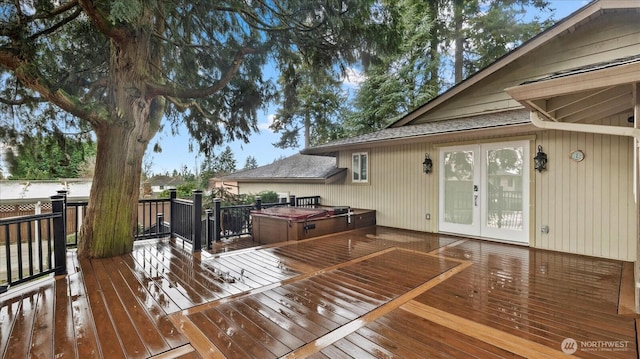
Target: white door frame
x: 477, y: 194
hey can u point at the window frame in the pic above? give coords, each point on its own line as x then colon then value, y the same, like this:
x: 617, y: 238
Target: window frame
x: 358, y: 168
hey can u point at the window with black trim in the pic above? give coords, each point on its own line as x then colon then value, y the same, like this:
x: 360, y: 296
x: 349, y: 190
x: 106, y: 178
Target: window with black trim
x: 360, y: 166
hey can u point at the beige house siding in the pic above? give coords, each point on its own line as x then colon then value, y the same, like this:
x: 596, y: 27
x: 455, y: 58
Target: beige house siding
x: 588, y: 206
x: 603, y: 38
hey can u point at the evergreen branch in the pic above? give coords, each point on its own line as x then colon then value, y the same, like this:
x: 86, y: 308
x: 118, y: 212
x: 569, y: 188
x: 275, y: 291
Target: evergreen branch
x: 21, y: 101
x: 183, y: 106
x: 156, y: 89
x: 55, y: 12
x: 30, y: 77
x: 101, y: 22
x: 56, y: 26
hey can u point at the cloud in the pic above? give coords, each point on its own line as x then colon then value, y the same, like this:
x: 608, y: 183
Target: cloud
x: 353, y: 77
x: 265, y: 125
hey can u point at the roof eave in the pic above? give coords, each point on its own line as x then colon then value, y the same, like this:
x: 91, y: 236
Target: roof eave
x: 335, y: 176
x: 441, y: 136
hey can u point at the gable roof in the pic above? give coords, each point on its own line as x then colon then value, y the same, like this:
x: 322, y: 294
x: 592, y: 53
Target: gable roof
x: 298, y: 168
x: 407, y: 129
x: 583, y: 94
x: 589, y: 11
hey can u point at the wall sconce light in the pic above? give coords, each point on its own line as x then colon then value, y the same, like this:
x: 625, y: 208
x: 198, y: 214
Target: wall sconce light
x: 540, y: 160
x: 427, y: 165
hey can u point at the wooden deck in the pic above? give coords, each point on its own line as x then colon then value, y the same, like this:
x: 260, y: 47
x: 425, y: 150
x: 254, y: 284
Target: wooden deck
x: 369, y: 293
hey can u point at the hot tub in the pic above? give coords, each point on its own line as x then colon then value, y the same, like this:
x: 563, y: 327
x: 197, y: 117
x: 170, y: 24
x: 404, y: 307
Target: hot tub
x: 281, y: 224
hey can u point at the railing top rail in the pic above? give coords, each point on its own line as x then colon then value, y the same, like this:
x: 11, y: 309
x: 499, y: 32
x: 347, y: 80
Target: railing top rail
x: 183, y: 201
x: 77, y: 203
x: 238, y: 206
x: 29, y: 218
x: 153, y: 200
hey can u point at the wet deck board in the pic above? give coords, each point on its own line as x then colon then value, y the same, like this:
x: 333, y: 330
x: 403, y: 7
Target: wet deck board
x: 361, y: 294
x: 544, y: 297
x: 304, y: 311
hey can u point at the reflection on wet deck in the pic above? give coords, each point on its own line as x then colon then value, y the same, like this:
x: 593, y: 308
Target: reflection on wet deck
x: 374, y: 292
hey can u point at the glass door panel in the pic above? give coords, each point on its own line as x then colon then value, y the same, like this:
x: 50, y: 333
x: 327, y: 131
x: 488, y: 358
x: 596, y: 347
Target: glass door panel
x: 506, y: 191
x: 459, y: 209
x: 484, y: 190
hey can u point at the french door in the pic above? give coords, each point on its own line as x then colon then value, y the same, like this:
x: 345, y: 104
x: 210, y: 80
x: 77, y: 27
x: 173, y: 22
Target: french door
x: 484, y: 190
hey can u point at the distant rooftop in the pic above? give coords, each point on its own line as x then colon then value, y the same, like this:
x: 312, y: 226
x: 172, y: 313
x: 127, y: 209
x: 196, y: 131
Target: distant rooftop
x: 298, y: 168
x: 21, y: 190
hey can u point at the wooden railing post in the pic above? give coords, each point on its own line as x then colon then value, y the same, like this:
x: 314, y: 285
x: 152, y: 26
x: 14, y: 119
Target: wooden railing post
x: 217, y: 216
x: 258, y: 203
x: 196, y: 235
x: 173, y: 194
x: 59, y: 234
x: 292, y: 201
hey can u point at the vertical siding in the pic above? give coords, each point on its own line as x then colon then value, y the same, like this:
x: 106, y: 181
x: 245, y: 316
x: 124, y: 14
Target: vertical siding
x: 398, y: 190
x: 589, y: 205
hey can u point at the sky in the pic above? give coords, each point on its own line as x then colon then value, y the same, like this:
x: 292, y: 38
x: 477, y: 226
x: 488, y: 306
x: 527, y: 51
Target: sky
x: 176, y: 154
x: 175, y: 149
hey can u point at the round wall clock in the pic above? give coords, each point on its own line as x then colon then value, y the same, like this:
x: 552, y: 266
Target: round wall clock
x: 577, y: 155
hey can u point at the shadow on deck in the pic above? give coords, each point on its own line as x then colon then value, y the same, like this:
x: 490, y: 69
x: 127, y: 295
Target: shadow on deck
x: 373, y: 292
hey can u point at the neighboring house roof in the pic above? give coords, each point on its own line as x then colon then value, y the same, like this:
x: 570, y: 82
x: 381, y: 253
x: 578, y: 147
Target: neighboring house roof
x: 298, y: 168
x: 42, y: 190
x: 165, y: 181
x: 419, y: 132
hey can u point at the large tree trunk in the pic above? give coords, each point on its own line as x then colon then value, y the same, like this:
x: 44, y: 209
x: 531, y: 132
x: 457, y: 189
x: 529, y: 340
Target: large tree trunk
x: 458, y: 19
x: 110, y: 223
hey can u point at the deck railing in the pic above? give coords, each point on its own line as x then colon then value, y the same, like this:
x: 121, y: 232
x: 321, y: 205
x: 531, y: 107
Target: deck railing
x: 35, y: 245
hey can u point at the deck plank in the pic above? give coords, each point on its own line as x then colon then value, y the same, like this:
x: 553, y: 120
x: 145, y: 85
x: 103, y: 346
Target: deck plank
x: 156, y: 311
x: 64, y: 337
x: 375, y: 292
x: 275, y: 346
x: 229, y: 348
x: 25, y: 310
x: 84, y: 323
x: 8, y: 309
x: 130, y: 336
x: 41, y: 338
x: 234, y: 332
x: 107, y: 333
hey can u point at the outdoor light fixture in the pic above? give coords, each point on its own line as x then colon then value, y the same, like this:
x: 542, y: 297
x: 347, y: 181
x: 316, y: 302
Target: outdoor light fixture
x: 540, y: 160
x: 427, y: 165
